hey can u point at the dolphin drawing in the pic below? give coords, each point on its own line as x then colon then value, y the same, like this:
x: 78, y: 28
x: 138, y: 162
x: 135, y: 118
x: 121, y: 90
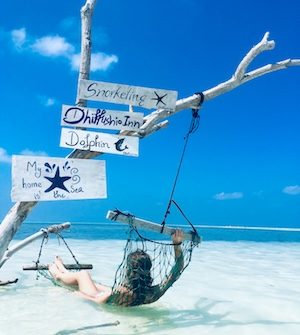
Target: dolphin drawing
x: 119, y: 143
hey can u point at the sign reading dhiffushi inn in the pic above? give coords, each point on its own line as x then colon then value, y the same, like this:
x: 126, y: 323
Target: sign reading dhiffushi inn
x: 127, y: 95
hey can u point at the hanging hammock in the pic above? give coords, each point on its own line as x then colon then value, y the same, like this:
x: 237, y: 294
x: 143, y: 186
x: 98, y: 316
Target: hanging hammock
x: 150, y: 266
x: 42, y: 269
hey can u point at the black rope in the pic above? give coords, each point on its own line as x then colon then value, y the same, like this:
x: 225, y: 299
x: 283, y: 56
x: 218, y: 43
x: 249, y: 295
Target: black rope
x: 181, y: 211
x: 45, y: 239
x: 192, y: 129
x: 61, y: 237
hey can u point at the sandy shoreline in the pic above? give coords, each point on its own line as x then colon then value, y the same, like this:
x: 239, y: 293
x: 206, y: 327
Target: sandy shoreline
x: 246, y: 288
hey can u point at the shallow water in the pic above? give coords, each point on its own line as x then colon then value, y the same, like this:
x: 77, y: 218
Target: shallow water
x: 230, y: 287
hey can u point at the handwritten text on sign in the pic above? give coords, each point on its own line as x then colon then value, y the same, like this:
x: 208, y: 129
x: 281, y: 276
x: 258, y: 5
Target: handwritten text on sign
x: 100, y: 142
x: 100, y: 118
x: 127, y: 95
x: 48, y: 178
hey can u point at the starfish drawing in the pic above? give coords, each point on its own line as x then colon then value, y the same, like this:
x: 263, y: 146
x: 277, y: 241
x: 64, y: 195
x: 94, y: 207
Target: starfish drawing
x: 159, y: 98
x: 57, y: 182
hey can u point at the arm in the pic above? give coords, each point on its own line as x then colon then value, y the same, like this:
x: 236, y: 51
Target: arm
x: 177, y: 238
x: 175, y: 272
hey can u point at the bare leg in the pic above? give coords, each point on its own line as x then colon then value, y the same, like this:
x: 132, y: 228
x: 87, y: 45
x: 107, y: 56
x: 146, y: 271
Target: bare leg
x: 81, y: 278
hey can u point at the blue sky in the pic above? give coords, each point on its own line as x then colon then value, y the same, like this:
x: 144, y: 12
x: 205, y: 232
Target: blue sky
x: 242, y: 167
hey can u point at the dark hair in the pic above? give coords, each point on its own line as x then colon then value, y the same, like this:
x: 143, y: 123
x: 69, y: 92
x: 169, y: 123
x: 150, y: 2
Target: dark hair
x: 139, y: 279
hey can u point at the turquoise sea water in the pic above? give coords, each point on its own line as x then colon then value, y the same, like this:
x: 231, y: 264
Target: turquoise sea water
x: 115, y: 231
x: 241, y: 280
x: 240, y: 287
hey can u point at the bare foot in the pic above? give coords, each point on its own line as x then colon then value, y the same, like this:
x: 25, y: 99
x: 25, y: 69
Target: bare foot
x: 60, y: 265
x: 54, y: 271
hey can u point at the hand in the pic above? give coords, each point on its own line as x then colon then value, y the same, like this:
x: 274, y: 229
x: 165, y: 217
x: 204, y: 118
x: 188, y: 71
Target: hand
x: 177, y: 236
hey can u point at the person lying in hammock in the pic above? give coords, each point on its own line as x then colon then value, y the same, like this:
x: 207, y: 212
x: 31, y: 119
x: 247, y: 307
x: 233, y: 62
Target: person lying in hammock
x: 136, y: 290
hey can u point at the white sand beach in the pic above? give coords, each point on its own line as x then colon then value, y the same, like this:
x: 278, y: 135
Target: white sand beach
x: 229, y: 288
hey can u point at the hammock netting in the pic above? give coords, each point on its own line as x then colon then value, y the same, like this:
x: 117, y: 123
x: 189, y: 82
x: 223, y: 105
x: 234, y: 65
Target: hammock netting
x: 148, y: 269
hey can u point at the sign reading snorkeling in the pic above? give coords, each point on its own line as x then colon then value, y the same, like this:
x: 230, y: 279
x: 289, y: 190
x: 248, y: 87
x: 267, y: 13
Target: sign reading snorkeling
x: 48, y: 178
x: 127, y: 95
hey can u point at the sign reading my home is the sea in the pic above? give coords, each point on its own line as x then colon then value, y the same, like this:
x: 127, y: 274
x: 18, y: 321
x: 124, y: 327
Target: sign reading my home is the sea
x: 127, y: 95
x: 100, y: 142
x: 48, y: 178
x: 100, y: 118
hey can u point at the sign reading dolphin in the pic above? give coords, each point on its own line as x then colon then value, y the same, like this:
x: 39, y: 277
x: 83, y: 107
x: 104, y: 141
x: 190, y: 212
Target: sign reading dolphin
x: 100, y: 142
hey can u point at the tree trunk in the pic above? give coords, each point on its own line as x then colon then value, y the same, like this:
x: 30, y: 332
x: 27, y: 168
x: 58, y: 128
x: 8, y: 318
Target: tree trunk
x: 153, y: 121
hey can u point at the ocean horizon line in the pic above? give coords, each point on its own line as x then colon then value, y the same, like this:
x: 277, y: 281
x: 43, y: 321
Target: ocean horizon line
x: 204, y: 226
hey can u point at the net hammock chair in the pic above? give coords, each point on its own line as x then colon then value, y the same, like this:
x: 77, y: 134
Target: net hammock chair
x: 149, y: 266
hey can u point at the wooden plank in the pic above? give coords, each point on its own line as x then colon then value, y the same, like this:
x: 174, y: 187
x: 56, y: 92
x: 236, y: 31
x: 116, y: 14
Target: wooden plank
x: 99, y: 142
x: 49, y: 178
x: 77, y: 116
x: 140, y: 223
x: 127, y: 95
x: 67, y: 266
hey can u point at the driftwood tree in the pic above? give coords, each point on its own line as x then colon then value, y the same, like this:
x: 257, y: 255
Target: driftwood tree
x: 152, y: 122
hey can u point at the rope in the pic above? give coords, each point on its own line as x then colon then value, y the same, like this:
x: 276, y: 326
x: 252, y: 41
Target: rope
x: 192, y: 129
x: 45, y: 240
x: 181, y: 211
x: 61, y: 237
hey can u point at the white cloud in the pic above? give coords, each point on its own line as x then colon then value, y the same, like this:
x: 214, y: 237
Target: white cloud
x: 47, y: 101
x: 99, y: 61
x: 228, y: 196
x: 4, y: 157
x: 52, y: 46
x: 57, y: 46
x: 27, y: 152
x: 292, y: 190
x: 50, y: 102
x: 75, y: 61
x: 18, y: 37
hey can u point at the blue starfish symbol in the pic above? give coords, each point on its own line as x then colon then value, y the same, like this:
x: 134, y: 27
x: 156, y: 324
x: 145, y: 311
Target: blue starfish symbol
x: 57, y: 182
x: 159, y: 98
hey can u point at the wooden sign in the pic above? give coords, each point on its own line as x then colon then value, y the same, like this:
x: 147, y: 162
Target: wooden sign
x: 48, y: 178
x: 127, y: 95
x: 100, y: 118
x: 100, y: 142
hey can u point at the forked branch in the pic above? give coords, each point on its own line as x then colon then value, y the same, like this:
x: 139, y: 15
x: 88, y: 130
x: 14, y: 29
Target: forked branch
x: 240, y: 77
x: 152, y: 122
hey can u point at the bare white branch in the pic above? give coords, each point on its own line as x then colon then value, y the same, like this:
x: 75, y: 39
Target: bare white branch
x: 240, y: 77
x: 152, y: 122
x: 19, y: 211
x: 12, y: 222
x: 263, y: 45
x: 86, y: 44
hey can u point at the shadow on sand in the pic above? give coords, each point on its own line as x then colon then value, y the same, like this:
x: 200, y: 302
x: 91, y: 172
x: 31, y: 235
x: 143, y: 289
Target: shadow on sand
x: 150, y: 320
